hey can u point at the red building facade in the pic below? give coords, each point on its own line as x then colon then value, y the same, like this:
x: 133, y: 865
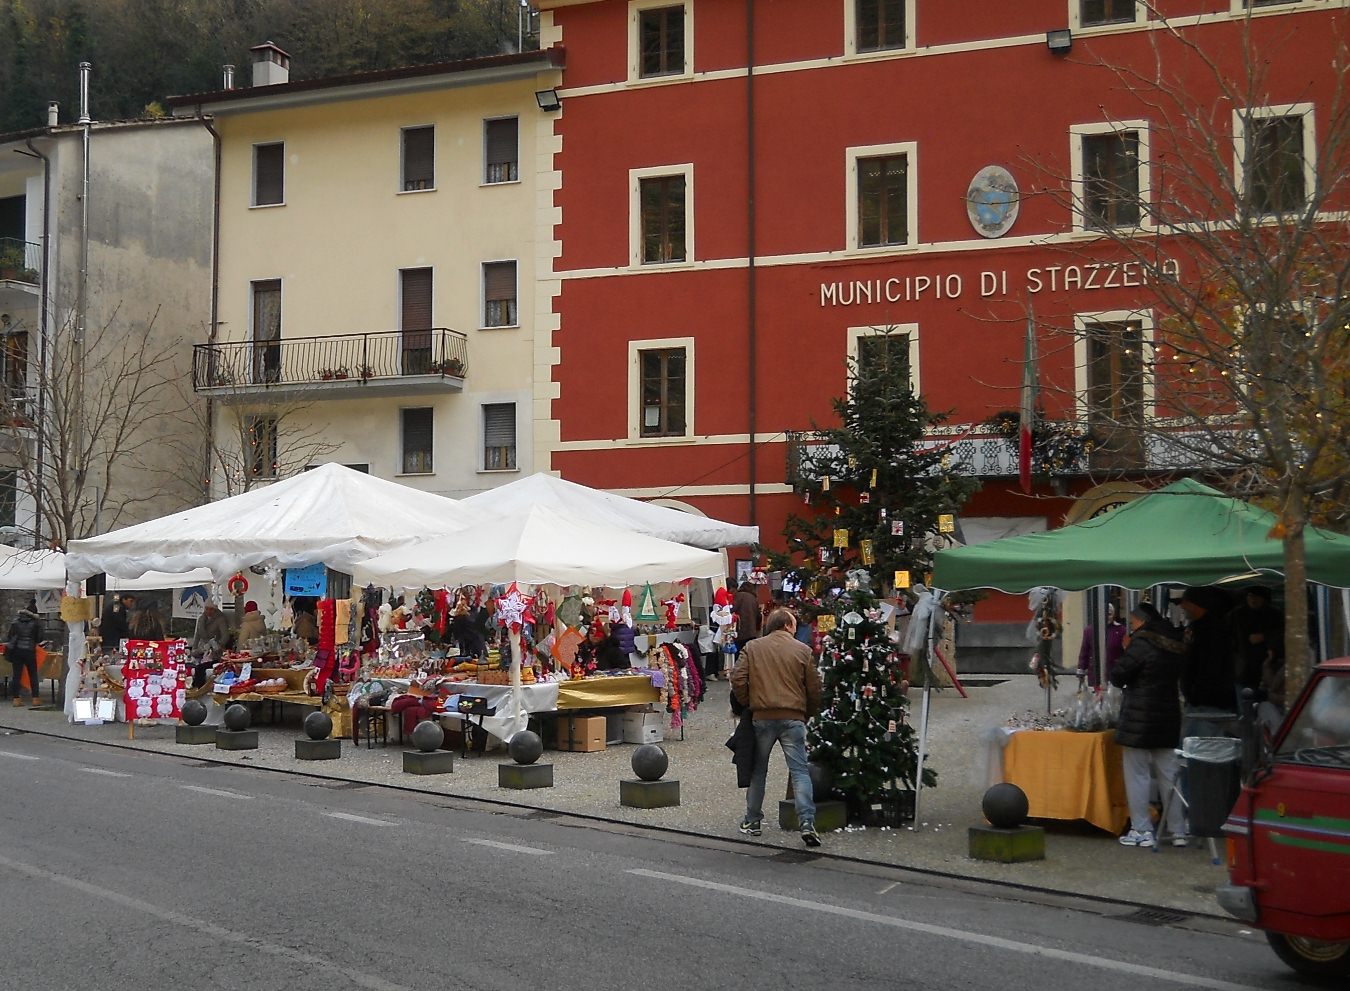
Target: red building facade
x: 729, y: 234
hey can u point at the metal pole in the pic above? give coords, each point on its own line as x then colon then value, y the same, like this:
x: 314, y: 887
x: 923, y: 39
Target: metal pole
x: 82, y: 298
x: 934, y: 618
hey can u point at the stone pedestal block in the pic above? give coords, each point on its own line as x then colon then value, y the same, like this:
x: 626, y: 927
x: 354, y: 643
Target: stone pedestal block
x: 230, y: 739
x: 638, y: 794
x: 829, y: 816
x: 524, y: 775
x: 1007, y: 846
x: 193, y: 736
x: 435, y: 762
x: 318, y: 749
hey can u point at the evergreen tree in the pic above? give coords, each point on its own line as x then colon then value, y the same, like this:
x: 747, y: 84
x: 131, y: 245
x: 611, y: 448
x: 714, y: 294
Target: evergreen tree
x: 880, y: 489
x: 862, y: 735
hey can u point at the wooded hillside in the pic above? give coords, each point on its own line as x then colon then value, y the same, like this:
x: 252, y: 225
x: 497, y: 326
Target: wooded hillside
x: 145, y: 50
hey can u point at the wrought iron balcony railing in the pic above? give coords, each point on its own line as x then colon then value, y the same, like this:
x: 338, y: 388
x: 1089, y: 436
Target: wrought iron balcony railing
x: 20, y: 261
x: 437, y: 355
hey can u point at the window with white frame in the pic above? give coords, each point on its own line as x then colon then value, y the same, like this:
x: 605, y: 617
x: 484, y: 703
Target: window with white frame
x: 890, y: 349
x: 1242, y: 6
x: 1113, y: 376
x: 1097, y: 13
x: 882, y: 196
x: 661, y: 388
x: 499, y: 294
x: 416, y: 440
x: 269, y: 174
x: 419, y: 158
x: 661, y: 229
x: 1110, y: 177
x: 872, y: 26
x: 9, y: 496
x: 660, y: 39
x: 499, y: 436
x: 1274, y: 157
x: 501, y: 150
x: 260, y: 441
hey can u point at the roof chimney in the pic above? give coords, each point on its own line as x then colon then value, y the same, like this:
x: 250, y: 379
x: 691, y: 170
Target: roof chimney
x: 84, y: 92
x: 53, y: 114
x: 227, y: 74
x: 271, y: 66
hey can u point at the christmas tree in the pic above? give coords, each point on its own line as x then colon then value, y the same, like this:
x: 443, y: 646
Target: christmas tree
x: 862, y: 736
x: 881, y: 496
x: 878, y: 488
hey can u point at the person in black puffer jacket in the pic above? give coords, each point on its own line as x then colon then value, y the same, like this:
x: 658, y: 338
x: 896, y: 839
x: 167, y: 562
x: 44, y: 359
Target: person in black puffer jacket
x: 1150, y: 720
x: 21, y: 652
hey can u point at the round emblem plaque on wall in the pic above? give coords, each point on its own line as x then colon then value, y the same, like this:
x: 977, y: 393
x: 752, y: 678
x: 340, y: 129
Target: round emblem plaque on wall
x: 992, y: 201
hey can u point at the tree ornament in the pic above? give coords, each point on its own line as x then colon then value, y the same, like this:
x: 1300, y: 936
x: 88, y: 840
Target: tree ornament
x: 825, y: 483
x: 873, y: 483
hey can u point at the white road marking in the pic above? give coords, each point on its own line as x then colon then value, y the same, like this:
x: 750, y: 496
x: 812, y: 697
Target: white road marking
x: 498, y: 845
x: 345, y: 975
x: 980, y: 939
x: 350, y: 817
x: 213, y: 791
x: 10, y: 753
x: 110, y: 774
x: 888, y: 887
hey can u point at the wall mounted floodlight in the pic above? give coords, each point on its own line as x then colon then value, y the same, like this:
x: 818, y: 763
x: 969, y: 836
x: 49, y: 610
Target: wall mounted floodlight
x: 1059, y: 41
x: 548, y: 100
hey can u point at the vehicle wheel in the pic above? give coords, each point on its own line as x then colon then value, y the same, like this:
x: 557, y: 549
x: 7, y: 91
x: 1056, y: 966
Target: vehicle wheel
x: 1311, y: 956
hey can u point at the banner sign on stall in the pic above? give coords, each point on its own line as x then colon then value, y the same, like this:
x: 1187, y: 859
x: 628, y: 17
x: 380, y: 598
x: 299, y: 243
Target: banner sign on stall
x: 155, y: 678
x: 312, y: 580
x: 190, y: 602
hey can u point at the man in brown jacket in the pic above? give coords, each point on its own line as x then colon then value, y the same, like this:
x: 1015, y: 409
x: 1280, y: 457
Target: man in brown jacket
x: 776, y: 678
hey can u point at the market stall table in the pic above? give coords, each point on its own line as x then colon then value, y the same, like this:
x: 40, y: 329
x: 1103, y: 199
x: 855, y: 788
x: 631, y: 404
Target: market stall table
x: 1069, y: 775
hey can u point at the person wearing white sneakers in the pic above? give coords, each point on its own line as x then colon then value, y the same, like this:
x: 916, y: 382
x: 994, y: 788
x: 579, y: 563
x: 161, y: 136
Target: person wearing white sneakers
x: 1149, y: 673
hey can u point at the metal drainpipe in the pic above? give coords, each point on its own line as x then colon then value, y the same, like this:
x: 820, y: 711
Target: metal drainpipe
x: 44, y: 291
x: 752, y: 327
x: 207, y: 463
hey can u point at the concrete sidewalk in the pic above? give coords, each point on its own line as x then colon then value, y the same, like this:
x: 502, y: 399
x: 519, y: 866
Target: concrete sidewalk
x: 1080, y: 860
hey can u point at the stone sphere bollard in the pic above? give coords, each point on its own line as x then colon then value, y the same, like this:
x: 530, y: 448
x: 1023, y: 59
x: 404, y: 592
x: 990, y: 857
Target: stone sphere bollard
x: 428, y: 736
x: 318, y: 725
x: 525, y: 747
x: 237, y: 717
x: 650, y: 762
x: 1005, y: 806
x: 193, y: 712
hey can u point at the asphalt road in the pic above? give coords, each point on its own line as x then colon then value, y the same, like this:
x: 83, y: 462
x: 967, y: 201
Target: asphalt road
x: 132, y: 870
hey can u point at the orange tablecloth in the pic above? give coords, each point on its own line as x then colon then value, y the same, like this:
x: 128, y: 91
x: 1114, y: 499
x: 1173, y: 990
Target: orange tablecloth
x: 1069, y: 775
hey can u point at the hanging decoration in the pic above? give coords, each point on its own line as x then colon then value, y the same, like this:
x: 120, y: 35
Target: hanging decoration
x: 646, y: 610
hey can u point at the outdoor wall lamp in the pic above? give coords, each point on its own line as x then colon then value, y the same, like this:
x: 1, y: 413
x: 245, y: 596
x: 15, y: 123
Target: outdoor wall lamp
x: 1059, y: 41
x: 548, y: 100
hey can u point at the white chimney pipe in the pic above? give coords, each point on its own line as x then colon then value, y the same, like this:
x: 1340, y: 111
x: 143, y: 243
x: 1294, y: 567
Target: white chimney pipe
x: 228, y: 71
x: 84, y: 92
x: 53, y: 114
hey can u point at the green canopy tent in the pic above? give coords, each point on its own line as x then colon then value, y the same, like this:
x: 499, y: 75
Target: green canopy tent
x: 1186, y: 533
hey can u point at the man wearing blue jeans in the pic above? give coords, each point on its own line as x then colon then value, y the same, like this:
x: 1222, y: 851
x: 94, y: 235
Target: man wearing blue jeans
x: 776, y: 679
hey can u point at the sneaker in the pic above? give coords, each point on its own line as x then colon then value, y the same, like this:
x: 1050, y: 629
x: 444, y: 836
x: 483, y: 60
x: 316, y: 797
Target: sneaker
x: 809, y: 835
x: 1180, y: 841
x: 751, y: 827
x: 1136, y: 838
x: 17, y: 703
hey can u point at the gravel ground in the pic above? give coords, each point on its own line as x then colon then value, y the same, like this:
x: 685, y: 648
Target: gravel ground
x: 1080, y: 859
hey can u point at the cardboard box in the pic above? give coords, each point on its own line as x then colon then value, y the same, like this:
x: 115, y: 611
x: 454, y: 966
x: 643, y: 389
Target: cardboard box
x: 581, y: 734
x: 642, y: 727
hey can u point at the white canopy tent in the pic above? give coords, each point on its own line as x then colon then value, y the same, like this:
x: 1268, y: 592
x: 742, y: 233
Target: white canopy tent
x: 537, y: 547
x: 332, y: 514
x: 598, y: 506
x: 29, y: 569
x: 161, y: 579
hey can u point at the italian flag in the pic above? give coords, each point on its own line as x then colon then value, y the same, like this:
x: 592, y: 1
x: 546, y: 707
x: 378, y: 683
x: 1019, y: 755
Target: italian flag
x: 1027, y: 419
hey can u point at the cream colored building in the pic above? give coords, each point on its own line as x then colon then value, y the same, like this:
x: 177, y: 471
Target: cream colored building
x: 384, y: 295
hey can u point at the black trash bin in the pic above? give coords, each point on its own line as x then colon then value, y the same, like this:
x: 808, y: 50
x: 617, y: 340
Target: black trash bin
x: 1213, y: 781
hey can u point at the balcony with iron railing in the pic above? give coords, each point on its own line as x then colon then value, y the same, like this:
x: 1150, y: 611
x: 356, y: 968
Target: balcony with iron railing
x: 20, y: 261
x: 391, y: 363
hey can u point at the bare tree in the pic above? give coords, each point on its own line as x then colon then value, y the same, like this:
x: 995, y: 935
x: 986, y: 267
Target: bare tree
x: 1242, y: 249
x: 82, y: 420
x: 244, y: 442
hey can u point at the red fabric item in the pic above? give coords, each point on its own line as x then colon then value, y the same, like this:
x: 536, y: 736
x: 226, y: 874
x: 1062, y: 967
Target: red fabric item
x: 327, y: 611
